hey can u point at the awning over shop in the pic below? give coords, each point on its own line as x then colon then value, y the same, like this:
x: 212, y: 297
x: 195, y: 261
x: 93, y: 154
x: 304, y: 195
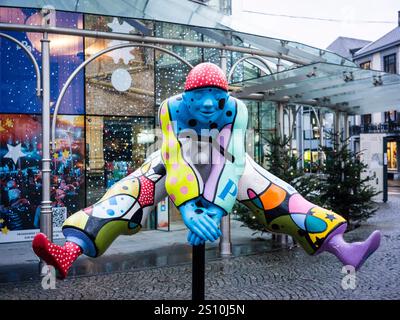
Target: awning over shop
x: 200, y: 17
x: 338, y: 87
x: 304, y: 53
x: 174, y: 11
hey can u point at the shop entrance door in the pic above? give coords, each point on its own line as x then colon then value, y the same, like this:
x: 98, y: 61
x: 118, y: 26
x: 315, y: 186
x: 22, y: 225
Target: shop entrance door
x: 391, y: 166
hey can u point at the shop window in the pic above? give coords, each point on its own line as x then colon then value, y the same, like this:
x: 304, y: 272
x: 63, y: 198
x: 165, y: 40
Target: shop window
x: 366, y: 119
x: 171, y: 73
x: 267, y: 126
x: 392, y: 155
x: 21, y: 179
x: 17, y: 75
x: 389, y: 63
x: 120, y: 82
x: 116, y: 146
x: 390, y: 116
x: 365, y: 65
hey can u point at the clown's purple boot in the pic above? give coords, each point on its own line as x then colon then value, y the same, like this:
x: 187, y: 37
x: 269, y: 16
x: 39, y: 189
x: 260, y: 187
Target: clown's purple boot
x: 353, y: 254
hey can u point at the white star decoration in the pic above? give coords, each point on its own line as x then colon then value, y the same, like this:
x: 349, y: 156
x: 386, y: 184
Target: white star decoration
x: 14, y: 152
x: 125, y: 53
x: 120, y: 28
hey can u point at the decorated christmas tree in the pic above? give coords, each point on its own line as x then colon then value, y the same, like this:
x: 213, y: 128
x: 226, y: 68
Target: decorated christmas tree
x: 345, y: 189
x: 340, y: 186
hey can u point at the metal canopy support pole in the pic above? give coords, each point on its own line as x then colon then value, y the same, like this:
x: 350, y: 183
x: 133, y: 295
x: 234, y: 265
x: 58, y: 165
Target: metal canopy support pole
x: 346, y: 127
x: 280, y: 130
x: 321, y: 137
x: 337, y: 127
x: 280, y: 133
x: 46, y: 218
x: 299, y: 135
x: 225, y: 245
x: 281, y: 124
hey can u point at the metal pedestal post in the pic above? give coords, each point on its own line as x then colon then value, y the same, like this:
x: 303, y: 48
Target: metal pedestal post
x: 198, y: 272
x: 225, y: 245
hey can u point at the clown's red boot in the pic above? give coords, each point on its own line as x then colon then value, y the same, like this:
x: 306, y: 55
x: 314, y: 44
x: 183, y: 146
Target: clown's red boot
x: 61, y: 258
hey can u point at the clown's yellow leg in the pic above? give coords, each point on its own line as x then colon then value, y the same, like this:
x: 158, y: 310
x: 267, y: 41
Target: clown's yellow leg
x: 282, y: 209
x: 121, y: 211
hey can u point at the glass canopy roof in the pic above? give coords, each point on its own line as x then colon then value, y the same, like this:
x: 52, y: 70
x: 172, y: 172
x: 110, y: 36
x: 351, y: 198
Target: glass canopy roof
x: 175, y: 11
x: 338, y: 87
x: 199, y: 16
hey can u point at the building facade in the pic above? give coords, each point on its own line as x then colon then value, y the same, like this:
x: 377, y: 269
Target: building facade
x: 107, y: 120
x: 379, y: 128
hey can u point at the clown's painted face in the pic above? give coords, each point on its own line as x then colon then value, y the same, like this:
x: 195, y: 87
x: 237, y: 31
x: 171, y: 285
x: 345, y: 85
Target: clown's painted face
x: 207, y: 104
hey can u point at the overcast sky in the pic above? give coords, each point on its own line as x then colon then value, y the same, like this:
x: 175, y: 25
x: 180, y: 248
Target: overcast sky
x: 316, y: 33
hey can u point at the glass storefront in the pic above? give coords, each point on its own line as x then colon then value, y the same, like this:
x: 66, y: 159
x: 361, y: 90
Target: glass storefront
x: 107, y: 116
x: 20, y: 175
x: 260, y: 127
x: 116, y: 146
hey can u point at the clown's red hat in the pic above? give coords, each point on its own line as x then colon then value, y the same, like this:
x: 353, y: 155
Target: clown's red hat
x: 206, y: 75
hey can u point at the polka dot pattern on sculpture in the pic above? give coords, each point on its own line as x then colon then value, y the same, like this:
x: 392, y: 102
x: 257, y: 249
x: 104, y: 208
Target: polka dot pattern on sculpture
x: 206, y: 75
x: 61, y: 258
x: 146, y: 197
x: 184, y: 189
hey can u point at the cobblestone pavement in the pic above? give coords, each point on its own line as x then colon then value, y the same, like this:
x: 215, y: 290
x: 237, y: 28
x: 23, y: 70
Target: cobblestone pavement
x: 284, y: 274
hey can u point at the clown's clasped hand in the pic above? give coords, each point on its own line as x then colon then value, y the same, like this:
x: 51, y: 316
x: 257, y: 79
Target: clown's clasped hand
x: 203, y: 168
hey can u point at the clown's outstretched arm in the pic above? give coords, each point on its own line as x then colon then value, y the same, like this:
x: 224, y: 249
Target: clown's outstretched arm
x: 183, y: 182
x: 122, y: 210
x: 282, y: 209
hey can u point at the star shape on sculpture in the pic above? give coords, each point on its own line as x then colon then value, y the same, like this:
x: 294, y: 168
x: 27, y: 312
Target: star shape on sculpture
x: 14, y: 152
x: 331, y: 217
x: 4, y: 230
x: 1, y: 220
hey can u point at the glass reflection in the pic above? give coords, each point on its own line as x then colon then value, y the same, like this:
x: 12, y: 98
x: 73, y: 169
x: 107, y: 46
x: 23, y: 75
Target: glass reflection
x: 116, y: 146
x: 120, y: 82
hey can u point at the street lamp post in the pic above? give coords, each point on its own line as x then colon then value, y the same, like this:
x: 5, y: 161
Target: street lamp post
x: 46, y: 218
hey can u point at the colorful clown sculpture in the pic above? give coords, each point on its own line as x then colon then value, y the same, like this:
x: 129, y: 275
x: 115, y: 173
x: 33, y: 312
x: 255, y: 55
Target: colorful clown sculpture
x: 203, y: 168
